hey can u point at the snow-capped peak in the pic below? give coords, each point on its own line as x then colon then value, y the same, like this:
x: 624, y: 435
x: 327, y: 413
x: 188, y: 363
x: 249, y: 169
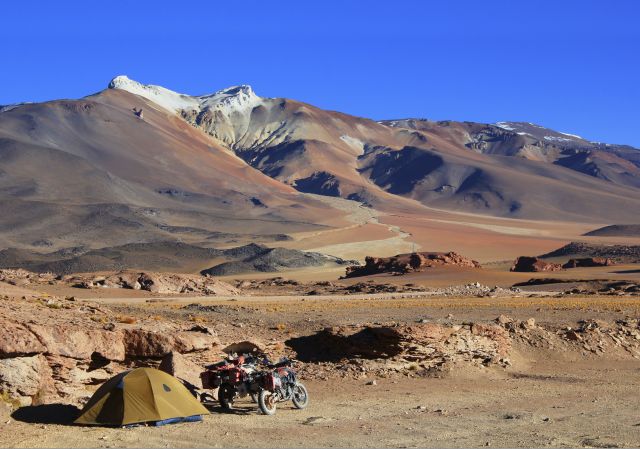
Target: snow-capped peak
x: 166, y: 98
x: 232, y: 99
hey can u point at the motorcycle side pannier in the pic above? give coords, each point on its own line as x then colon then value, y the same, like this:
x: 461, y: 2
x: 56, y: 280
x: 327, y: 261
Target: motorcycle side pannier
x: 210, y: 380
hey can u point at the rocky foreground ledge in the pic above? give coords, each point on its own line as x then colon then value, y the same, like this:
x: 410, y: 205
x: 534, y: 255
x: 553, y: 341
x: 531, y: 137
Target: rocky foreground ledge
x: 55, y: 350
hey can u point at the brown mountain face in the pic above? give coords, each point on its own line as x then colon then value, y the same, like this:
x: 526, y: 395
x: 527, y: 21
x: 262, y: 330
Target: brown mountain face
x: 87, y: 171
x: 462, y: 166
x: 232, y: 167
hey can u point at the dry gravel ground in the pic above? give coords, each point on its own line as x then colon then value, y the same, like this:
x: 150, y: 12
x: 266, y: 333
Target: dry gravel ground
x: 546, y: 398
x: 555, y: 403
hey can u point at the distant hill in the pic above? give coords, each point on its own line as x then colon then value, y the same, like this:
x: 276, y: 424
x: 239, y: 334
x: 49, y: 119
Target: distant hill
x: 166, y: 256
x: 632, y: 230
x: 621, y: 253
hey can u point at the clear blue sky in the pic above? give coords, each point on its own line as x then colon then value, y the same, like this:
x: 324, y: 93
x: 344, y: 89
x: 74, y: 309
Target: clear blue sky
x: 569, y: 65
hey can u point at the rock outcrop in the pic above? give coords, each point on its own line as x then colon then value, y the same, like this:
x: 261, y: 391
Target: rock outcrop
x: 422, y: 346
x: 151, y: 344
x: 179, y: 366
x: 26, y: 380
x: 529, y: 264
x: 56, y: 350
x: 589, y: 262
x: 158, y: 283
x: 406, y: 263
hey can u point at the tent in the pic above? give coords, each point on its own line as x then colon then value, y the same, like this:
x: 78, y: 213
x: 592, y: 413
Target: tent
x: 141, y: 395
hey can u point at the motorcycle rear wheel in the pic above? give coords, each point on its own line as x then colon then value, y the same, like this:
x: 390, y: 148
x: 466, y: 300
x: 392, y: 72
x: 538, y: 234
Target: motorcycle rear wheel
x: 267, y: 402
x: 300, y: 396
x: 226, y: 395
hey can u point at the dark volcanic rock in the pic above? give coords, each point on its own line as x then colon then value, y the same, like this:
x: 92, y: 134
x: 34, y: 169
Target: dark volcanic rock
x: 589, y: 262
x: 619, y: 253
x: 631, y: 230
x: 263, y: 259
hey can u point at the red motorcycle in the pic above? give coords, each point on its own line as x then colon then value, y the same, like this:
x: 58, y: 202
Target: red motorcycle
x: 278, y: 384
x: 233, y: 378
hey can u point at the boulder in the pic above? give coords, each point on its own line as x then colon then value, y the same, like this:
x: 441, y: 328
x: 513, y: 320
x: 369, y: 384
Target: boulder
x: 156, y: 284
x: 528, y: 264
x: 405, y: 263
x: 71, y: 377
x: 26, y: 379
x: 177, y: 365
x: 188, y: 341
x: 145, y: 343
x: 79, y: 343
x: 16, y: 339
x: 125, y: 279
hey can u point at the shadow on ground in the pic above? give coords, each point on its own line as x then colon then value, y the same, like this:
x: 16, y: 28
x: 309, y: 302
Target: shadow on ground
x: 244, y: 409
x: 328, y: 346
x: 47, y: 414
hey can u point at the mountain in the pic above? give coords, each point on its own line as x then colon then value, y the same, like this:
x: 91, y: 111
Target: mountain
x: 449, y: 165
x: 141, y: 163
x: 78, y: 172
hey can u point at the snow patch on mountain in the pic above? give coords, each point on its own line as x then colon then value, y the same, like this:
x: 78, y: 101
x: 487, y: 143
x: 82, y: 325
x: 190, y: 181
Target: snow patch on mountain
x: 505, y: 125
x: 8, y: 107
x: 572, y: 135
x: 353, y: 142
x: 166, y: 98
x: 557, y: 139
x: 232, y: 100
x: 237, y: 99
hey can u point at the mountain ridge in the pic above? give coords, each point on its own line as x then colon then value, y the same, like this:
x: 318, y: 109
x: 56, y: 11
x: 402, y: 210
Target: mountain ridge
x: 136, y: 163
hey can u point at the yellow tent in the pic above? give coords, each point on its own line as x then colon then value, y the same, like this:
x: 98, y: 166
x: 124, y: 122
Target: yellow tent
x: 140, y: 395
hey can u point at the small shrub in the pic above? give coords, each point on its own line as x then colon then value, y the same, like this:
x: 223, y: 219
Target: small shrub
x: 126, y: 319
x: 8, y: 399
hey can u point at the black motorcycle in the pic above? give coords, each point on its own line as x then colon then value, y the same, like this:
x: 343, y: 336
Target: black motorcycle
x: 279, y: 383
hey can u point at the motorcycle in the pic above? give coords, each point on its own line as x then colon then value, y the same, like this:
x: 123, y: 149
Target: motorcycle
x: 279, y: 384
x: 233, y: 378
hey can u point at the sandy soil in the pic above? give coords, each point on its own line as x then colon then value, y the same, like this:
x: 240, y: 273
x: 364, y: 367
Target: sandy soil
x: 547, y: 398
x: 550, y: 404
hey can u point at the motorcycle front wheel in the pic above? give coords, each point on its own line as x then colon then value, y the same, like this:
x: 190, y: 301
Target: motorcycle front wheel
x: 300, y: 397
x: 267, y: 402
x: 226, y: 394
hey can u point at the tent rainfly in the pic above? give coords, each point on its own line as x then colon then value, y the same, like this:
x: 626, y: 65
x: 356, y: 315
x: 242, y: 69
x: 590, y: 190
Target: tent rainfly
x: 139, y: 396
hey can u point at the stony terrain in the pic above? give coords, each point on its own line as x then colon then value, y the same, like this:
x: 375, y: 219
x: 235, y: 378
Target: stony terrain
x: 428, y: 366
